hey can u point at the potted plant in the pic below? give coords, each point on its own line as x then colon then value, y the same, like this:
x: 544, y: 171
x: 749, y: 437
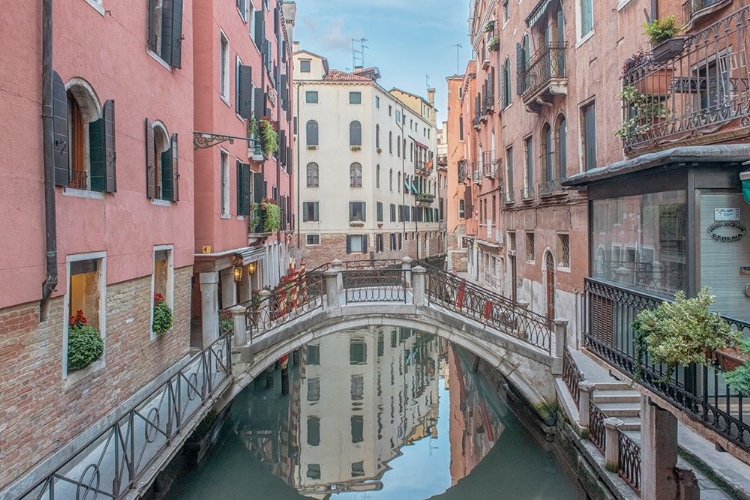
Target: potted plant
x: 644, y: 111
x: 85, y: 344
x: 738, y: 374
x: 269, y: 136
x: 494, y: 44
x: 355, y: 148
x: 163, y: 317
x: 489, y: 26
x: 681, y: 333
x: 664, y: 42
x: 379, y: 150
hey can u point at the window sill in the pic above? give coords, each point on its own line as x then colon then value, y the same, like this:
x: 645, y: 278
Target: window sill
x: 622, y: 4
x: 161, y: 203
x: 240, y: 217
x: 97, y: 6
x: 226, y: 216
x: 563, y: 269
x: 585, y: 39
x: 83, y: 193
x: 74, y: 378
x: 156, y: 57
x: 226, y: 100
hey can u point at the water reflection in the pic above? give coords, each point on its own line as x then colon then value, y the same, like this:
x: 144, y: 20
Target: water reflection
x: 376, y: 413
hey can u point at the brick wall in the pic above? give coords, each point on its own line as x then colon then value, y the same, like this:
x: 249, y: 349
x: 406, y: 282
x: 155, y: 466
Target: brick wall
x: 39, y: 412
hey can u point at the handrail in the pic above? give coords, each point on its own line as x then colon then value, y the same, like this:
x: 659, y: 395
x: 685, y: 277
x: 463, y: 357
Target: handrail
x: 111, y: 463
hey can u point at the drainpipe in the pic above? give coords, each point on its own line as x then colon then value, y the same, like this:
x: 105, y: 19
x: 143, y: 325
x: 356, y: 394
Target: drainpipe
x: 48, y: 136
x: 299, y: 203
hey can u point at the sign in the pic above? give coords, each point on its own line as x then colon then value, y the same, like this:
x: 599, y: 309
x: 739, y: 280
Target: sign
x: 726, y: 214
x: 727, y: 232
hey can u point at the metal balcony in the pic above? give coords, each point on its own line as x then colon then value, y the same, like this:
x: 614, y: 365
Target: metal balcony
x: 697, y: 9
x: 545, y: 76
x: 699, y: 95
x: 477, y: 176
x: 509, y: 197
x: 551, y: 188
x: 488, y: 104
x: 442, y: 161
x: 487, y: 164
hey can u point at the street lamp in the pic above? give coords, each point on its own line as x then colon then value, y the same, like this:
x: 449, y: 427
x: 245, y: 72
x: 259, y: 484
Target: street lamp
x: 205, y: 140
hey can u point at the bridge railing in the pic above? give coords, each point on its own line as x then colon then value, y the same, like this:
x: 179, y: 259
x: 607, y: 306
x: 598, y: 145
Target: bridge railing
x: 375, y: 285
x: 113, y: 461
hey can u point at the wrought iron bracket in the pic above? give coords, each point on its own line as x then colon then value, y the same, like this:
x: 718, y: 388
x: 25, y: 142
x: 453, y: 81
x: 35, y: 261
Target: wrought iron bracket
x: 205, y: 140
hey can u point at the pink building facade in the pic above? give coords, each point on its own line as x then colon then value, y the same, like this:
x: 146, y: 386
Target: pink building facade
x: 122, y: 191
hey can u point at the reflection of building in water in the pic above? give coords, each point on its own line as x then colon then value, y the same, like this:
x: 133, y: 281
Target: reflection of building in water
x: 364, y: 395
x: 474, y: 428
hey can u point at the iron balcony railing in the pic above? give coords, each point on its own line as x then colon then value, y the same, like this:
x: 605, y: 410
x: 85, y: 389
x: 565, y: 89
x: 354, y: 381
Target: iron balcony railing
x: 694, y: 8
x: 699, y: 391
x: 488, y: 158
x: 527, y: 193
x: 550, y: 188
x: 509, y: 197
x: 477, y: 122
x: 442, y: 160
x: 111, y: 463
x: 547, y: 65
x: 489, y: 102
x: 477, y: 176
x: 462, y: 172
x: 425, y: 198
x: 693, y: 92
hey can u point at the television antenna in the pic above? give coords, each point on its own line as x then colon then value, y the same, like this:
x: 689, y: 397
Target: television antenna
x: 358, y: 52
x: 458, y: 56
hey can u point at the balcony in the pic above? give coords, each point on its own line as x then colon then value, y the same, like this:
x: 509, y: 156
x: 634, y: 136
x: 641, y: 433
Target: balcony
x: 424, y: 199
x: 487, y: 164
x: 488, y: 104
x: 477, y: 123
x: 699, y: 96
x: 697, y: 9
x: 527, y: 193
x: 442, y: 161
x: 551, y: 188
x: 462, y: 172
x: 545, y: 77
x: 509, y: 197
x: 477, y: 176
x: 420, y: 168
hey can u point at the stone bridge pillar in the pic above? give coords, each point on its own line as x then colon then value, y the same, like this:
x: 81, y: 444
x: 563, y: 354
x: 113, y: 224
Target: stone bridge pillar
x: 406, y: 268
x: 558, y: 351
x: 586, y: 389
x: 658, y: 452
x: 210, y: 307
x: 240, y: 326
x: 419, y: 286
x: 338, y: 266
x: 332, y: 277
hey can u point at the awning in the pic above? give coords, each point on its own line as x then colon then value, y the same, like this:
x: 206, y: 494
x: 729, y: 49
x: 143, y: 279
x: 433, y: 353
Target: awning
x: 419, y: 144
x: 414, y: 187
x: 731, y: 153
x: 538, y: 12
x: 251, y: 254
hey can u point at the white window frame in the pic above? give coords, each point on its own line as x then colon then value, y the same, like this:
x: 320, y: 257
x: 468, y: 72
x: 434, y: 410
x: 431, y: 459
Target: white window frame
x: 224, y: 68
x: 225, y: 184
x: 72, y: 378
x: 581, y: 38
x: 169, y: 299
x: 243, y: 15
x: 307, y: 240
x: 237, y: 64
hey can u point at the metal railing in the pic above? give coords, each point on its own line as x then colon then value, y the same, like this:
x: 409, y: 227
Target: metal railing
x: 488, y: 101
x: 477, y: 176
x: 700, y: 391
x: 424, y: 197
x: 692, y: 8
x: 479, y: 304
x: 286, y: 302
x: 665, y: 278
x: 571, y: 375
x: 629, y: 463
x: 695, y: 91
x: 256, y: 222
x: 111, y: 463
x: 442, y: 160
x: 372, y: 264
x: 551, y: 187
x: 546, y: 65
x: 509, y: 196
x: 374, y: 285
x: 488, y: 158
x: 527, y: 193
x: 597, y: 432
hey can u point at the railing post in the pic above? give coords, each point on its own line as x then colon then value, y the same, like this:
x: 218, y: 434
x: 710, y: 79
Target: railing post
x: 586, y: 390
x: 561, y: 329
x: 338, y: 266
x: 419, y: 277
x: 240, y: 325
x: 612, y: 443
x: 406, y: 268
x: 332, y: 288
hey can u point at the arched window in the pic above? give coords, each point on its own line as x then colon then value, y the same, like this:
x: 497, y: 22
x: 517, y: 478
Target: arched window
x: 377, y: 136
x: 548, y: 153
x: 561, y: 146
x: 312, y: 133
x: 377, y: 177
x: 355, y: 175
x: 390, y: 179
x: 162, y: 173
x: 313, y: 175
x: 355, y: 133
x: 390, y: 142
x: 398, y: 146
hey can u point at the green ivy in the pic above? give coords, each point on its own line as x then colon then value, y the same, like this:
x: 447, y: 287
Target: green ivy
x: 272, y: 221
x: 163, y: 318
x: 269, y: 137
x: 645, y: 108
x: 85, y: 346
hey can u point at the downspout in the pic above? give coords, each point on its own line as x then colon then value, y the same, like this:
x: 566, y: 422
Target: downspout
x: 48, y: 139
x: 299, y: 202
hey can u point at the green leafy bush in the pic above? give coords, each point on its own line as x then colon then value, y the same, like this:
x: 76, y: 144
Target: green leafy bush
x: 272, y: 219
x: 662, y: 30
x: 645, y: 110
x: 269, y: 136
x: 680, y: 333
x: 85, y: 344
x: 163, y: 317
x: 739, y: 379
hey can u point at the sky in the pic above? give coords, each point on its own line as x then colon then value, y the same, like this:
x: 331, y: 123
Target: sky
x: 406, y: 39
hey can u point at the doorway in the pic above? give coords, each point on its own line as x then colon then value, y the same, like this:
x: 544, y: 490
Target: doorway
x: 550, y: 265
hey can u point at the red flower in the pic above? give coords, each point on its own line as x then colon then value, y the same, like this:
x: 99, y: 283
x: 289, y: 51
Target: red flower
x: 79, y: 320
x: 158, y: 298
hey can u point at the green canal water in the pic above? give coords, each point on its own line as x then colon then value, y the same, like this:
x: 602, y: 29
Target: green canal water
x: 380, y: 413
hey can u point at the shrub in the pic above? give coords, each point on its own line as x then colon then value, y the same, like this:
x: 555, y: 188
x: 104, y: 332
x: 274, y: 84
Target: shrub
x: 85, y: 344
x: 269, y: 136
x: 662, y: 30
x: 163, y: 317
x: 739, y: 379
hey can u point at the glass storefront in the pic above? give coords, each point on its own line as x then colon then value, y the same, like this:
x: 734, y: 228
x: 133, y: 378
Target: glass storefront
x: 641, y: 241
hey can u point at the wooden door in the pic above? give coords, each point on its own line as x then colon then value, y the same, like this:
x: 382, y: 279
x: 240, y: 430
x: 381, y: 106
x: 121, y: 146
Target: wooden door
x: 550, y: 286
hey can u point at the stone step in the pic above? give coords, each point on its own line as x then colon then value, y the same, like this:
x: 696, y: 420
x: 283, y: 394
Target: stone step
x: 631, y: 424
x: 611, y: 384
x: 616, y: 396
x: 620, y: 410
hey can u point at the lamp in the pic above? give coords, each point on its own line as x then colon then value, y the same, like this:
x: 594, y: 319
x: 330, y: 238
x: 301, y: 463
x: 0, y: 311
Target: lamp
x: 237, y: 271
x: 251, y: 268
x: 257, y: 152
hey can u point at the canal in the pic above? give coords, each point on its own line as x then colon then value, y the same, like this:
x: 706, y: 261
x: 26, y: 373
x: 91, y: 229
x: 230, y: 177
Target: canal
x: 376, y: 413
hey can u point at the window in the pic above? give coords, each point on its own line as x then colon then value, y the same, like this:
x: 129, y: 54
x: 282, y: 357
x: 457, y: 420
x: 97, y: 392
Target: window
x: 379, y: 212
x: 509, y: 166
x: 304, y: 66
x: 358, y: 427
x: 355, y: 133
x: 390, y: 110
x: 461, y: 209
x: 377, y: 102
x: 460, y: 128
x: 355, y: 97
x: 313, y: 389
x: 313, y: 354
x: 390, y: 179
x: 398, y: 116
x: 237, y: 79
x: 393, y: 213
x: 390, y: 142
x: 563, y: 250
x: 377, y: 136
x: 165, y: 30
x: 398, y: 146
x: 588, y: 127
x: 224, y: 184
x: 507, y: 79
x: 379, y: 247
x: 356, y: 211
x: 310, y: 211
x: 313, y: 239
x: 162, y: 278
x: 313, y: 175
x: 313, y: 471
x: 547, y: 153
x: 377, y: 176
x: 356, y: 243
x: 398, y: 182
x: 311, y: 97
x: 561, y: 147
x: 244, y: 188
x: 358, y: 469
x: 587, y: 16
x: 528, y: 145
x: 311, y: 131
x: 530, y: 250
x: 357, y: 353
x: 512, y: 241
x: 224, y: 68
x: 506, y: 10
x: 162, y: 171
x: 313, y: 431
x: 355, y: 175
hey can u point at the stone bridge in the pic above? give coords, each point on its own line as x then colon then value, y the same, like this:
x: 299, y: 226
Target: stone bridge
x: 526, y: 348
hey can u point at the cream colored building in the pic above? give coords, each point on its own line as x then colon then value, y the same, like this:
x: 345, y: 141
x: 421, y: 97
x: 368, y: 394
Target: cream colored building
x: 367, y: 179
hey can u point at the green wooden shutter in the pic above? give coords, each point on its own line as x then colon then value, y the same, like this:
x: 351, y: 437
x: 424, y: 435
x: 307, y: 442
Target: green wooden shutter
x: 260, y: 103
x: 259, y: 187
x: 520, y: 68
x: 171, y: 32
x: 245, y: 91
x: 259, y: 28
x: 60, y: 120
x: 501, y: 86
x: 110, y: 153
x: 167, y: 180
x: 152, y: 35
x: 247, y: 186
x: 175, y: 150
x: 150, y: 166
x: 348, y: 244
x: 240, y: 184
x: 96, y: 155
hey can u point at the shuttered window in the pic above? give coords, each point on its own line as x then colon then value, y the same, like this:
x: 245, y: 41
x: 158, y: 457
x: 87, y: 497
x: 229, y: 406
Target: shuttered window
x: 588, y: 113
x: 529, y: 150
x: 165, y: 30
x: 561, y: 147
x: 311, y: 130
x: 356, y: 243
x: 244, y: 90
x: 355, y: 133
x: 162, y: 164
x: 310, y: 211
x: 587, y: 17
x: 244, y: 188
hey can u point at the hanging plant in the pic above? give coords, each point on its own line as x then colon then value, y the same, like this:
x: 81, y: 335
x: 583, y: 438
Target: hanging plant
x: 272, y: 216
x: 163, y: 317
x: 252, y: 128
x: 493, y: 44
x: 489, y: 26
x: 85, y: 344
x: 254, y: 218
x: 269, y: 136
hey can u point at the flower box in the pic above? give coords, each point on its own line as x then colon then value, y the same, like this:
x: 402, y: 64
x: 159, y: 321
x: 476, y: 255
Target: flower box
x: 668, y: 49
x: 656, y: 83
x: 730, y: 358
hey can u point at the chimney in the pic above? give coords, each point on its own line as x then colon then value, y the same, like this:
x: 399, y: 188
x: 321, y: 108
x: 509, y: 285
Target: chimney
x: 295, y: 46
x: 431, y: 97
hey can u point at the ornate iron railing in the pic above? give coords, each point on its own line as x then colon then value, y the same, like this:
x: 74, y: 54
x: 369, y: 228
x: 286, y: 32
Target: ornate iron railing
x: 374, y: 285
x: 629, y: 463
x: 700, y: 391
x: 597, y: 432
x: 287, y: 302
x: 572, y: 375
x: 693, y: 91
x: 493, y: 310
x: 111, y: 463
x: 547, y: 64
